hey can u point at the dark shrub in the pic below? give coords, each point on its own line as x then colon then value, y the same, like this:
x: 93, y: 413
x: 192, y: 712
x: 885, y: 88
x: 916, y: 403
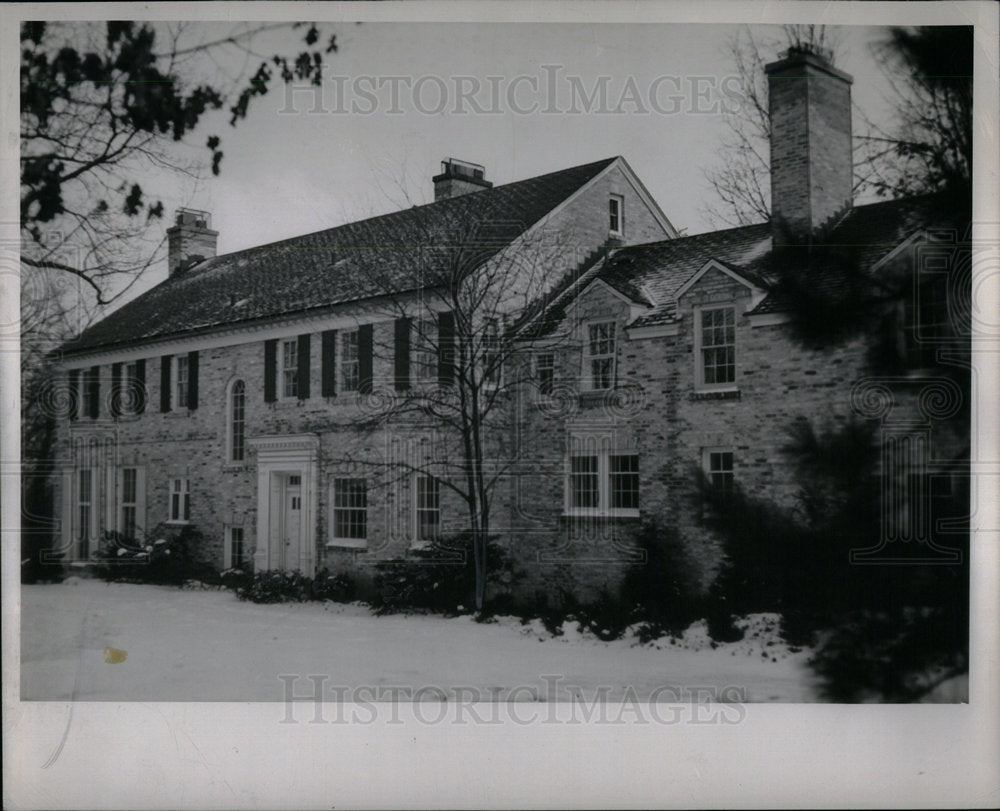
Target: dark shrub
x: 662, y: 589
x: 338, y: 588
x: 441, y: 578
x: 279, y: 586
x: 162, y: 558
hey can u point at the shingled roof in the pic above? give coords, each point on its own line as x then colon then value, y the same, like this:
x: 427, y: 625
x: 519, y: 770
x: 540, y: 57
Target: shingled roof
x: 653, y: 273
x: 318, y: 270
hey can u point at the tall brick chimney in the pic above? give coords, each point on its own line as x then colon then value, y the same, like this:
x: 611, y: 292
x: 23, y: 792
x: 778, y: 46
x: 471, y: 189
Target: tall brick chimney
x: 190, y: 239
x: 458, y: 178
x: 812, y: 170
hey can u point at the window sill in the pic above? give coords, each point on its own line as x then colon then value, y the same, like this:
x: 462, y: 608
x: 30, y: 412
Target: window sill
x: 606, y: 514
x: 235, y: 467
x: 347, y: 543
x: 177, y: 413
x: 174, y: 523
x: 716, y: 394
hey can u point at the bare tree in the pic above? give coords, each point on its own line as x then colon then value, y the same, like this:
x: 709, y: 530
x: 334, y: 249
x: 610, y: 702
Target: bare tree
x: 468, y: 276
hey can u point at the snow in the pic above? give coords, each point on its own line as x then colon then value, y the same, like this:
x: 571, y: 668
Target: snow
x: 205, y: 645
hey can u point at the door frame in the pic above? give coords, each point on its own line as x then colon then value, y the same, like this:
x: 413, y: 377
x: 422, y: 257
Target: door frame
x: 278, y: 457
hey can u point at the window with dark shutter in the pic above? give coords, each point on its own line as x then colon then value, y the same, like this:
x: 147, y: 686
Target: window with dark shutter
x: 139, y: 396
x: 446, y: 349
x: 303, y: 363
x: 329, y: 381
x: 74, y: 392
x: 402, y: 354
x: 95, y: 392
x: 365, y: 351
x: 165, y: 383
x: 192, y: 392
x: 270, y: 370
x: 114, y: 404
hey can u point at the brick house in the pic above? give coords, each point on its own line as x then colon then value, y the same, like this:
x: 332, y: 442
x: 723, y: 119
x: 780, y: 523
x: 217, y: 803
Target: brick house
x: 232, y: 396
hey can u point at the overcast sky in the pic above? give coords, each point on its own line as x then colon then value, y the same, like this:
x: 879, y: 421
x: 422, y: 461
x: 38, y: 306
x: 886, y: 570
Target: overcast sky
x: 392, y: 107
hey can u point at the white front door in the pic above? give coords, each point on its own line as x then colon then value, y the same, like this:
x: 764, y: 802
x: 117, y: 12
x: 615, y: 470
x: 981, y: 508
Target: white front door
x: 291, y: 523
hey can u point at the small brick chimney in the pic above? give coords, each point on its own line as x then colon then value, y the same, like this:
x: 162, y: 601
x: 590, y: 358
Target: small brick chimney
x: 812, y: 172
x: 458, y: 178
x: 190, y: 239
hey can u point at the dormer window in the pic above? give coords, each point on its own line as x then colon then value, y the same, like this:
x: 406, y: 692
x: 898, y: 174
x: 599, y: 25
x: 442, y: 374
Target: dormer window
x: 599, y: 367
x: 616, y: 215
x: 715, y: 348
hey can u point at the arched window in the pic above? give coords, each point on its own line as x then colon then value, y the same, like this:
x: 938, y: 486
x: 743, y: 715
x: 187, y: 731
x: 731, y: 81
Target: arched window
x: 237, y: 421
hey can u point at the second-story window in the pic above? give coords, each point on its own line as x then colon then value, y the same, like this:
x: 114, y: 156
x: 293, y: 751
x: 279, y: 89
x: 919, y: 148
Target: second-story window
x: 491, y: 353
x: 600, y: 356
x: 425, y: 356
x: 180, y: 381
x: 290, y: 368
x: 716, y: 335
x: 350, y: 361
x: 545, y: 369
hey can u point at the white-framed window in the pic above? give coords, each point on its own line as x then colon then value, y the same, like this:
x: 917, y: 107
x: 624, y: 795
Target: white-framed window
x: 180, y: 381
x: 350, y: 361
x: 599, y: 356
x: 425, y: 359
x: 426, y: 508
x: 288, y: 376
x: 616, y: 215
x: 602, y: 480
x: 715, y: 338
x: 349, y: 520
x: 236, y: 423
x: 180, y: 501
x: 491, y: 353
x: 235, y: 552
x: 86, y: 393
x: 545, y: 372
x: 718, y: 466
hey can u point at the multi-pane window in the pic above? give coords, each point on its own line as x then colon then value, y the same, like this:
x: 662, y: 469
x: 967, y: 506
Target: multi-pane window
x: 600, y: 369
x: 290, y: 368
x: 427, y: 508
x: 623, y: 481
x: 603, y: 482
x: 426, y: 356
x: 180, y: 381
x: 616, y: 207
x: 927, y: 323
x: 130, y: 501
x: 717, y: 353
x: 180, y: 502
x: 84, y: 507
x: 350, y: 364
x: 719, y: 469
x: 237, y: 421
x: 350, y: 508
x: 584, y: 482
x: 545, y: 367
x: 491, y: 353
x: 236, y: 547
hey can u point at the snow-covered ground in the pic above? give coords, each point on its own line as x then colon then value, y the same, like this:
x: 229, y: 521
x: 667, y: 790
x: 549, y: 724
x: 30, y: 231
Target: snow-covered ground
x: 89, y: 640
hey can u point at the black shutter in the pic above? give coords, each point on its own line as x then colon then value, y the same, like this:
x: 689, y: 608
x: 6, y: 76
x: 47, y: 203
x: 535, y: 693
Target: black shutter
x: 95, y: 392
x: 165, y: 383
x: 114, y: 403
x: 192, y: 402
x: 303, y: 370
x: 402, y: 354
x: 139, y: 395
x: 329, y: 381
x: 365, y: 351
x: 74, y: 393
x: 446, y: 349
x: 270, y: 370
